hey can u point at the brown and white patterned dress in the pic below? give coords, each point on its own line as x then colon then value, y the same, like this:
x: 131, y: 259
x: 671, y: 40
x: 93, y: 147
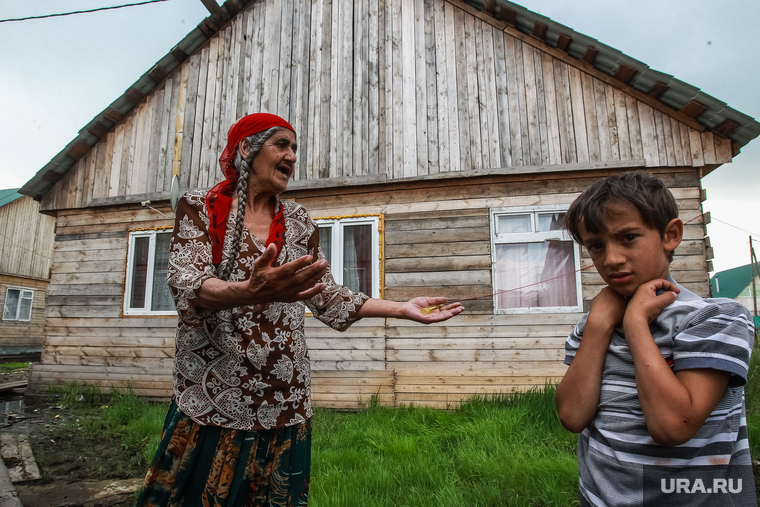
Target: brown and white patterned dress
x: 246, y: 368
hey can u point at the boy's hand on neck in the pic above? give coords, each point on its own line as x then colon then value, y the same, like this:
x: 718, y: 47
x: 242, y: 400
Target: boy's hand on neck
x: 646, y: 305
x: 607, y: 310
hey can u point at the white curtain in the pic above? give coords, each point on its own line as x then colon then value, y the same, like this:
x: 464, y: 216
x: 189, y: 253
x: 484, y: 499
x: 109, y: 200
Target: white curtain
x: 535, y: 275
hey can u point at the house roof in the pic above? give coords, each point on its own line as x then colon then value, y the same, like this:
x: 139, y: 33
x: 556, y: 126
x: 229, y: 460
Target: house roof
x: 732, y: 282
x: 684, y: 98
x: 9, y: 195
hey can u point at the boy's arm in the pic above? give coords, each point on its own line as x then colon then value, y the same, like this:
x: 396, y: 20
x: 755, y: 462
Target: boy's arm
x: 676, y: 405
x: 578, y: 392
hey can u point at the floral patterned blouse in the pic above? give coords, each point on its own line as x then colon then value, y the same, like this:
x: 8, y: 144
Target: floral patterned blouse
x: 246, y: 368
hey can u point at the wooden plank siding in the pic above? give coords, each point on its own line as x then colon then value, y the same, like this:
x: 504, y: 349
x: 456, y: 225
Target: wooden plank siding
x: 436, y: 241
x: 26, y: 239
x: 403, y: 89
x: 23, y: 337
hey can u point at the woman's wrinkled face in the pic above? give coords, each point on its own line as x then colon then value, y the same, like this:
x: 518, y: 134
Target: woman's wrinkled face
x: 275, y: 164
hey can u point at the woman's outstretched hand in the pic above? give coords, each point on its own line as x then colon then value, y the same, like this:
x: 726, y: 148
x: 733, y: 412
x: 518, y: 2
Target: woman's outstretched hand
x: 294, y: 281
x: 412, y: 310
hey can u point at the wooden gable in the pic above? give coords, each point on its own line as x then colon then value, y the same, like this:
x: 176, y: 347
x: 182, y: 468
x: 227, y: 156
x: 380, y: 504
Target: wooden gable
x: 382, y: 88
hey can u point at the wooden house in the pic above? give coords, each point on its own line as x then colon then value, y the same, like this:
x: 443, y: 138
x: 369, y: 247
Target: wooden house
x: 26, y: 254
x: 440, y: 141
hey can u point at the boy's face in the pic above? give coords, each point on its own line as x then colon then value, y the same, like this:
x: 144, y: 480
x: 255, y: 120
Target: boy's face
x: 628, y: 252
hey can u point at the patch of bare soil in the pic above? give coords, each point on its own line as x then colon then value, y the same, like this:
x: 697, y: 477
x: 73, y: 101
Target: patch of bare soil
x: 66, y: 452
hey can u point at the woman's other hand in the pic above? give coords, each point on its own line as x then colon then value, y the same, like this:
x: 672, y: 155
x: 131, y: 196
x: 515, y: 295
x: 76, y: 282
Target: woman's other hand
x: 294, y: 281
x: 412, y: 310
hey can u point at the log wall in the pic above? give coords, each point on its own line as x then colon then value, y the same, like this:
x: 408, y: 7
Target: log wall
x: 436, y: 242
x: 382, y: 87
x: 22, y: 337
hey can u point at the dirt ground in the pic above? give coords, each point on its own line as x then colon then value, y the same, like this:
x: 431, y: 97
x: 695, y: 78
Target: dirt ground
x: 66, y: 455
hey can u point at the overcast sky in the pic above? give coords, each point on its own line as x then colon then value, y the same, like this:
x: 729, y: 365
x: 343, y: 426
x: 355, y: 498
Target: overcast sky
x: 57, y: 74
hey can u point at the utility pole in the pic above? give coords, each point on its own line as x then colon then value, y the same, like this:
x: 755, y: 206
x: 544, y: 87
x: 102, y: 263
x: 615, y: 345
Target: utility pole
x: 754, y: 269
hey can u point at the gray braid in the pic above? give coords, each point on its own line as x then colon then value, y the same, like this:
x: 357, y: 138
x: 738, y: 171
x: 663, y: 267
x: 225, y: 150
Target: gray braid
x: 256, y: 141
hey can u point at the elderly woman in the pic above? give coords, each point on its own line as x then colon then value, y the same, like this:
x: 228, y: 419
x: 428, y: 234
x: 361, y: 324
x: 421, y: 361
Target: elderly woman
x: 242, y: 265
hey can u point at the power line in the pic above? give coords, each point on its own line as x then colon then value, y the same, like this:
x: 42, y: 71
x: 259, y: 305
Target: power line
x: 735, y: 227
x: 82, y: 12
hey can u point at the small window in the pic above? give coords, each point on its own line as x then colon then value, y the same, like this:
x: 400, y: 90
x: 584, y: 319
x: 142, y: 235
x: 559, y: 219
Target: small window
x: 535, y: 262
x: 147, y: 264
x: 18, y: 304
x: 352, y: 247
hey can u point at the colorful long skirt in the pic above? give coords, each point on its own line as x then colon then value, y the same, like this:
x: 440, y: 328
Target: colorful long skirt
x: 206, y: 466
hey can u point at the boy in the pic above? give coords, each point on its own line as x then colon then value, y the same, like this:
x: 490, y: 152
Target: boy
x: 656, y: 374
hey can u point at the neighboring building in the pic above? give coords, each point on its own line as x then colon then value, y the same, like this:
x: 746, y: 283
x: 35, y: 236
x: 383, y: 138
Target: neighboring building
x: 736, y: 283
x: 439, y: 145
x: 26, y: 254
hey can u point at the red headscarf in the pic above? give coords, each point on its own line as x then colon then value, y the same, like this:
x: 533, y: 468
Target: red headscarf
x: 219, y: 198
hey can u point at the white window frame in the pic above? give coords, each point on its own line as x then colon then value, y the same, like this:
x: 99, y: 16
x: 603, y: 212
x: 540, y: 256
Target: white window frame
x: 149, y: 279
x: 533, y: 237
x: 21, y: 290
x: 336, y: 263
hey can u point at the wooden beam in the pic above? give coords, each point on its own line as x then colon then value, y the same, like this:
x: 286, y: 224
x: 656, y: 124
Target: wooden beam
x: 53, y: 176
x: 710, y: 267
x: 158, y: 74
x: 217, y: 13
x: 539, y: 31
x: 657, y: 90
x: 208, y: 27
x: 706, y: 218
x: 507, y: 15
x: 563, y: 42
x: 78, y: 150
x: 134, y: 96
x: 113, y: 116
x: 179, y: 54
x: 703, y: 195
x: 726, y: 127
x: 590, y: 55
x: 709, y: 254
x: 624, y: 73
x: 98, y: 129
x: 693, y: 109
x: 489, y: 6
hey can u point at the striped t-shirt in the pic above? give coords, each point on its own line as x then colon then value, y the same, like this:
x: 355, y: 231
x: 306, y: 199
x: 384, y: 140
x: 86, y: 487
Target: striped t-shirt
x: 615, y: 448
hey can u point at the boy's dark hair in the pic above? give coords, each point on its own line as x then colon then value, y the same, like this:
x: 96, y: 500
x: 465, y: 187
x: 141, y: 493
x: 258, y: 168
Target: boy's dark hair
x: 644, y: 193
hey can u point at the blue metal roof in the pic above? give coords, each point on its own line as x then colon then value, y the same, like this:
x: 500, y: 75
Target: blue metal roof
x: 9, y: 195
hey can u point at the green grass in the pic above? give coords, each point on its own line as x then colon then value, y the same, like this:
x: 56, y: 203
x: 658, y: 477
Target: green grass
x: 752, y: 401
x: 494, y: 451
x: 13, y: 366
x: 136, y: 421
x: 503, y: 450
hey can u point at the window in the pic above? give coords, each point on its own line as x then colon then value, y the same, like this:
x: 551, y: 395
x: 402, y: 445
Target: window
x: 18, y: 304
x: 352, y: 247
x: 147, y: 264
x: 535, y: 262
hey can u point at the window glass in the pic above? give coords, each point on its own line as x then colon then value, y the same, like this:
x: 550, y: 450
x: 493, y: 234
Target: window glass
x: 550, y: 221
x: 147, y: 292
x: 11, y: 304
x: 325, y: 242
x: 510, y: 224
x: 539, y: 269
x: 161, y: 299
x: 139, y: 271
x: 25, y: 305
x: 532, y: 275
x: 352, y: 247
x: 357, y: 258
